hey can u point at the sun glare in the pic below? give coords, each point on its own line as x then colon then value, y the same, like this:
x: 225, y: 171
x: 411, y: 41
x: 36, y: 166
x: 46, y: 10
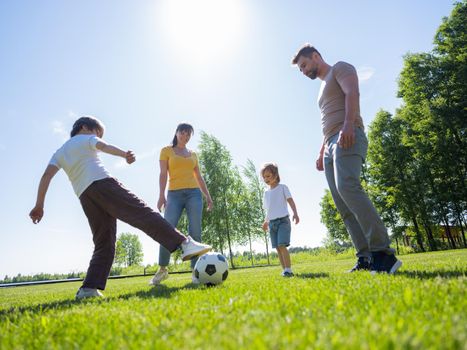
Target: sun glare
x: 202, y: 29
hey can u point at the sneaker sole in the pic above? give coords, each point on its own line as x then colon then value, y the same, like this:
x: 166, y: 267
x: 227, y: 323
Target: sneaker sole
x: 392, y: 271
x: 395, y: 267
x: 201, y: 252
x: 359, y: 270
x: 152, y: 283
x: 89, y: 297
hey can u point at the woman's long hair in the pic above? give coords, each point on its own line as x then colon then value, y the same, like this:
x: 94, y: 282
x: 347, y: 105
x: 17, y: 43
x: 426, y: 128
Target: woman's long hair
x: 182, y: 127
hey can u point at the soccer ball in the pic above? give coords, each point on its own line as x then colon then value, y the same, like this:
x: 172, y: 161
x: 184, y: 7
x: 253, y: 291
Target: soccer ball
x: 211, y: 269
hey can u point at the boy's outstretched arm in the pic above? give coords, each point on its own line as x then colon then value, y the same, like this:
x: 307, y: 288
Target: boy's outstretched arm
x: 294, y: 209
x: 115, y: 151
x: 37, y: 212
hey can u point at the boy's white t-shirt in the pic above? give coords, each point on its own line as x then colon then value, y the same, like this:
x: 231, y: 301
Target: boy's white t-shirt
x: 275, y: 202
x: 79, y: 159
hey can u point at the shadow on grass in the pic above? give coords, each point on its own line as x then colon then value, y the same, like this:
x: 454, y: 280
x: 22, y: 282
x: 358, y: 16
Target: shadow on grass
x: 432, y: 274
x: 160, y: 291
x: 16, y: 311
x: 312, y: 275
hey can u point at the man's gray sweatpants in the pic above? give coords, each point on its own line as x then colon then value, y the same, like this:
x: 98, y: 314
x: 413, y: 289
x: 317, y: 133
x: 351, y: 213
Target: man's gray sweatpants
x: 343, y: 168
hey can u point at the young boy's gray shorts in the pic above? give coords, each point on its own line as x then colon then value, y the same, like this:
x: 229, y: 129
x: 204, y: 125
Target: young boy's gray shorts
x: 279, y: 231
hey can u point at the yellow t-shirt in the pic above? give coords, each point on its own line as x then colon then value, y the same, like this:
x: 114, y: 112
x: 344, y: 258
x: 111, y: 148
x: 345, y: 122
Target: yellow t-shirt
x: 181, y: 169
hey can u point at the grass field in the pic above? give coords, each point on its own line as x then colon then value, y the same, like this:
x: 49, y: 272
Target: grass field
x: 424, y: 306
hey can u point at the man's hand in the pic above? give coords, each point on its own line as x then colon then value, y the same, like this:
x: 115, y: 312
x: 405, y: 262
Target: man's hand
x: 346, y: 136
x: 130, y: 157
x: 36, y: 214
x: 320, y: 162
x: 265, y: 226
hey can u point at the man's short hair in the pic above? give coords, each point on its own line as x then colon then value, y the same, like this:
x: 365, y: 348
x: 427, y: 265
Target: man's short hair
x: 306, y: 50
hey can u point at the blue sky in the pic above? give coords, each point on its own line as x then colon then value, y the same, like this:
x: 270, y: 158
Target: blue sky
x: 144, y: 66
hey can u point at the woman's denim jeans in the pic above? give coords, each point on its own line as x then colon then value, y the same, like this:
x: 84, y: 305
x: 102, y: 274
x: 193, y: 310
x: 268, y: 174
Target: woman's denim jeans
x: 177, y: 200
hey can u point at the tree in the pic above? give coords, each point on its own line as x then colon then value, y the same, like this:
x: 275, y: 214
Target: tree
x: 255, y: 212
x: 390, y: 169
x: 224, y: 225
x: 129, y: 250
x: 433, y: 88
x: 417, y: 160
x: 330, y: 217
x: 120, y: 254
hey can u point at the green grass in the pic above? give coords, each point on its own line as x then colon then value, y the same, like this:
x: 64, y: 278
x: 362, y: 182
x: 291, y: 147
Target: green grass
x: 423, y: 307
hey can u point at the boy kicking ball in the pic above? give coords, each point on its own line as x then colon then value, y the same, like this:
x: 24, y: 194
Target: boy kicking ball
x: 104, y: 200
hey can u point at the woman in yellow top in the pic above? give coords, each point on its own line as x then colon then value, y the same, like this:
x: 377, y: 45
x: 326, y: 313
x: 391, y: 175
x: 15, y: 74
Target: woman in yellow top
x: 180, y: 166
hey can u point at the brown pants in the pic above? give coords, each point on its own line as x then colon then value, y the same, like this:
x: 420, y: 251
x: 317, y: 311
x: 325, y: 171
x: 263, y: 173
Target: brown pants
x: 105, y: 201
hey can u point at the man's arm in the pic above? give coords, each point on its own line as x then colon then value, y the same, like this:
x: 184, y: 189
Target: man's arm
x: 115, y: 151
x: 37, y: 212
x: 349, y: 86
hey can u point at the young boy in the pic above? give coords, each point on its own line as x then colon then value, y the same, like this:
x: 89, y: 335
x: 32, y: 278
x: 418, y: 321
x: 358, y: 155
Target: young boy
x: 104, y: 200
x: 277, y: 217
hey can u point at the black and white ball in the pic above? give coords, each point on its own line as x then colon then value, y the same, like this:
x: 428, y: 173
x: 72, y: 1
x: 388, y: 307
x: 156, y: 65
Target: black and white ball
x: 211, y: 269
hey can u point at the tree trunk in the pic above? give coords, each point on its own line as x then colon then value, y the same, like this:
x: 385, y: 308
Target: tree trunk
x: 448, y: 233
x: 267, y: 247
x: 221, y: 241
x: 418, y: 235
x: 462, y: 231
x: 251, y: 249
x: 230, y: 250
x: 459, y: 219
x: 266, y: 238
x: 226, y: 217
x: 431, y: 240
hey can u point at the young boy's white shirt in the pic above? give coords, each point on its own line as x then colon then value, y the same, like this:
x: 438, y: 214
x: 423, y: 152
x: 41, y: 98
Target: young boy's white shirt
x: 275, y: 202
x: 79, y: 159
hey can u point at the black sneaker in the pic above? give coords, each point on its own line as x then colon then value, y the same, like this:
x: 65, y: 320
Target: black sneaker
x: 362, y: 264
x: 287, y: 274
x: 386, y: 263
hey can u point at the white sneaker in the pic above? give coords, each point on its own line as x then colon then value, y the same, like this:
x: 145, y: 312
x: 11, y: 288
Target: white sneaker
x: 159, y: 276
x: 88, y: 293
x: 191, y: 248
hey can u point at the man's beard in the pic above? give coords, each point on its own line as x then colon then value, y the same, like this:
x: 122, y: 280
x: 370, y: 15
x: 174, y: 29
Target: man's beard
x: 313, y: 73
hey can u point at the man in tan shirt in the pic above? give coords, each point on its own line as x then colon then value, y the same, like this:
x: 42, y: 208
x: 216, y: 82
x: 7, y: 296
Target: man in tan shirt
x: 341, y: 156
